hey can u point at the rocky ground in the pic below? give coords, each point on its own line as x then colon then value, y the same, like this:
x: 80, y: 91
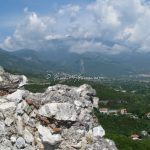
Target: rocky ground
x: 61, y: 118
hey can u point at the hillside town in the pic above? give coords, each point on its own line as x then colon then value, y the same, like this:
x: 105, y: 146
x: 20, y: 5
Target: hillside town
x: 123, y: 111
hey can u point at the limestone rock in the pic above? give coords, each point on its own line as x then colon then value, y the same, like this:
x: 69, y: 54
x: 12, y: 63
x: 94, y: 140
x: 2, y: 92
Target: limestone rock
x: 20, y: 125
x: 61, y: 118
x: 1, y: 79
x: 20, y: 143
x: 48, y: 137
x: 60, y: 111
x: 23, y: 81
x: 9, y: 121
x: 2, y: 128
x: 5, y: 144
x: 95, y: 102
x: 28, y: 136
x: 13, y: 139
x: 7, y: 105
x: 86, y: 90
x: 98, y: 131
x: 16, y: 96
x: 9, y: 82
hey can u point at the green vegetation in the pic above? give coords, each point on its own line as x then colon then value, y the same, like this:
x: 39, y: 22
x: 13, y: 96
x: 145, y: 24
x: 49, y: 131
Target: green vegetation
x: 118, y: 128
x: 123, y: 125
x: 124, y: 143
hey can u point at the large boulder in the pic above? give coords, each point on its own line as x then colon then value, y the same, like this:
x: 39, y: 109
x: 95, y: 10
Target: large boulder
x: 61, y: 118
x: 9, y: 82
x: 59, y: 111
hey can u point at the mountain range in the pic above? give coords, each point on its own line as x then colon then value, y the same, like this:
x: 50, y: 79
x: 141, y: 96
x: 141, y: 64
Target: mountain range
x: 39, y: 62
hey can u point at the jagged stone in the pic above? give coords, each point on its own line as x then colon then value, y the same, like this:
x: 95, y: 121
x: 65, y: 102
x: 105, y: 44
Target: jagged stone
x: 32, y: 122
x: 16, y: 96
x: 7, y: 106
x: 1, y: 116
x: 5, y: 144
x: 28, y: 108
x: 29, y: 147
x: 9, y: 82
x: 20, y: 125
x: 20, y: 143
x: 23, y: 81
x: 48, y: 137
x: 28, y: 136
x: 98, y: 131
x: 2, y: 128
x: 100, y: 144
x: 21, y: 107
x: 61, y: 118
x: 3, y: 100
x: 9, y: 121
x: 1, y: 79
x: 60, y: 111
x: 34, y: 113
x: 95, y: 102
x: 25, y: 118
x: 13, y: 139
x: 86, y: 90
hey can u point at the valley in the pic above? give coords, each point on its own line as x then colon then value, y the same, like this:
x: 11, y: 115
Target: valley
x: 87, y: 64
x: 118, y: 94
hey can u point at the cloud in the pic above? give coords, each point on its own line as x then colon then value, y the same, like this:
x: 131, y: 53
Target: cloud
x: 8, y: 41
x: 69, y: 10
x: 106, y: 26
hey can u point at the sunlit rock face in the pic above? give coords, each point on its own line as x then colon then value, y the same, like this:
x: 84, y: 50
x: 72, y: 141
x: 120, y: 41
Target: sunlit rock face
x: 61, y: 118
x: 9, y: 82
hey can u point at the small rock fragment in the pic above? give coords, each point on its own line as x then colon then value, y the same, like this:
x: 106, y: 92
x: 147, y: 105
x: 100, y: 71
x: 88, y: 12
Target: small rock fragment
x: 13, y: 139
x: 20, y: 143
x: 28, y: 136
x: 98, y: 131
x: 7, y: 105
x: 2, y: 128
x: 20, y: 125
x: 47, y: 136
x: 9, y: 121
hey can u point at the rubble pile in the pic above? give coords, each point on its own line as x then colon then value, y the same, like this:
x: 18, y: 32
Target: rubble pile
x: 61, y: 118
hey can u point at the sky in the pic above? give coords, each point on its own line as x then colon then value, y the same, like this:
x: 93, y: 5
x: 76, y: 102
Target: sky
x: 106, y: 26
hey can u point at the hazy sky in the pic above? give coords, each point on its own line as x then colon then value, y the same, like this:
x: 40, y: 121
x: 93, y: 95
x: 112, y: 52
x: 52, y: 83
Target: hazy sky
x: 110, y: 26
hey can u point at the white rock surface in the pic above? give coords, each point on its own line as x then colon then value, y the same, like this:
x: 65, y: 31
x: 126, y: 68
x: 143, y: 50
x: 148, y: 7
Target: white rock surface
x: 20, y: 143
x: 2, y: 128
x: 28, y: 136
x: 47, y: 136
x: 7, y: 105
x: 20, y: 125
x: 98, y: 131
x: 9, y: 121
x: 95, y: 102
x: 78, y: 103
x: 24, y: 81
x: 13, y: 139
x: 60, y: 111
x: 1, y: 79
x: 61, y: 118
x: 3, y: 100
x: 16, y: 96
